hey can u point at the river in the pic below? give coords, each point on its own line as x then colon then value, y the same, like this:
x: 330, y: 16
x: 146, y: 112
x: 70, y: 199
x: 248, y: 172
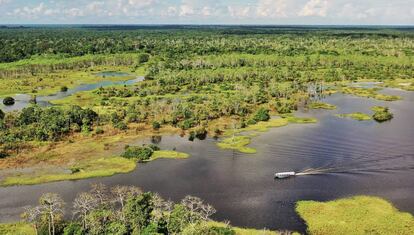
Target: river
x: 363, y: 158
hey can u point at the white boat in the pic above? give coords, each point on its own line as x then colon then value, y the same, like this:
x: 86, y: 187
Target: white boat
x: 283, y: 175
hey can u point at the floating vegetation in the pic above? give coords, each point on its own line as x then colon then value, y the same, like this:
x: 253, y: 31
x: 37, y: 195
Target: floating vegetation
x: 356, y: 116
x: 96, y: 168
x: 382, y: 114
x: 369, y: 93
x: 238, y: 143
x: 321, y: 105
x: 168, y: 154
x: 355, y: 215
x: 298, y: 120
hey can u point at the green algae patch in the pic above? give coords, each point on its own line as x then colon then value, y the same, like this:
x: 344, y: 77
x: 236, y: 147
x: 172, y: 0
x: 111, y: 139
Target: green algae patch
x: 168, y: 155
x: 298, y: 120
x: 356, y: 116
x: 357, y: 215
x: 17, y: 229
x: 321, y: 105
x: 260, y: 126
x: 242, y: 231
x: 369, y: 93
x: 238, y: 143
x: 97, y: 168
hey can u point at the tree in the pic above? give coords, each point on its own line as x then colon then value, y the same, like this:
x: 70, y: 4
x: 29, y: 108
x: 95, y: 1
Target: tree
x: 121, y: 194
x: 100, y: 193
x: 83, y: 204
x: 51, y: 205
x: 8, y: 101
x: 32, y: 216
x: 138, y: 211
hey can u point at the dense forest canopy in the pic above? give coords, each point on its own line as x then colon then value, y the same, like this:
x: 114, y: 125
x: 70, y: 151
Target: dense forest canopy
x: 22, y: 43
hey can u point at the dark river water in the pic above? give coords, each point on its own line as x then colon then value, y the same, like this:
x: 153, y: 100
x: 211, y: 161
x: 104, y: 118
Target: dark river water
x: 24, y: 100
x: 359, y: 158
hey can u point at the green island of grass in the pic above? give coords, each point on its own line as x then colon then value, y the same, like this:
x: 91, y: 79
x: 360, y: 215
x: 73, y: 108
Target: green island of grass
x: 357, y: 215
x: 97, y: 168
x: 17, y: 229
x: 298, y: 120
x: 356, y: 116
x: 321, y: 105
x: 168, y: 154
x: 382, y: 114
x: 369, y: 93
x: 237, y: 143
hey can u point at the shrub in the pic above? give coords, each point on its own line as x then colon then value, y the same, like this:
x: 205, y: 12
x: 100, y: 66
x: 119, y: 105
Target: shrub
x: 382, y: 114
x: 8, y: 101
x: 143, y: 58
x: 99, y: 131
x: 261, y: 115
x: 156, y: 125
x: 139, y: 153
x: 64, y: 89
x: 2, y: 114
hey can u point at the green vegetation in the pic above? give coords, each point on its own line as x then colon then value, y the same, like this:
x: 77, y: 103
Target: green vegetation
x: 17, y: 229
x: 320, y: 105
x: 97, y: 168
x: 382, y: 114
x: 168, y: 154
x: 298, y: 120
x: 8, y: 101
x: 369, y: 93
x: 140, y: 154
x: 357, y: 215
x: 125, y: 210
x: 356, y: 116
x: 237, y: 143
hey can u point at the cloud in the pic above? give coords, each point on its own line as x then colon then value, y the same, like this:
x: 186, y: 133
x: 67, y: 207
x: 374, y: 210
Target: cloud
x: 315, y: 8
x: 239, y: 11
x: 209, y: 11
x: 272, y: 8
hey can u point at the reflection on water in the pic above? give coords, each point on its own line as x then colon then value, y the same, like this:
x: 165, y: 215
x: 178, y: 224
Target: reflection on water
x: 23, y: 100
x: 363, y: 157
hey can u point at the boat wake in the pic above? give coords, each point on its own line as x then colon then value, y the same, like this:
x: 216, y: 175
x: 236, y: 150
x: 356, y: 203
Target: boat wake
x: 364, y: 165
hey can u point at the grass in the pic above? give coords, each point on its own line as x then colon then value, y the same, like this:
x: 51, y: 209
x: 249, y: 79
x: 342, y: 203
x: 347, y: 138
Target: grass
x: 97, y: 168
x: 381, y: 114
x: 83, y: 99
x: 237, y: 143
x: 243, y: 231
x: 357, y: 215
x: 321, y: 105
x: 404, y: 84
x: 168, y: 155
x: 260, y: 126
x: 298, y: 120
x: 356, y: 116
x: 17, y: 229
x: 369, y: 93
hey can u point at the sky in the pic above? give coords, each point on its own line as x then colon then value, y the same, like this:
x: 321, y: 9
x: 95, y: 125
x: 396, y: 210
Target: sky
x: 274, y: 12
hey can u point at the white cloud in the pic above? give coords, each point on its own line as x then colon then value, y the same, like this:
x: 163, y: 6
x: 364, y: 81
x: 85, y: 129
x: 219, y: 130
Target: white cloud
x: 272, y: 8
x: 186, y: 10
x: 315, y: 8
x: 239, y: 11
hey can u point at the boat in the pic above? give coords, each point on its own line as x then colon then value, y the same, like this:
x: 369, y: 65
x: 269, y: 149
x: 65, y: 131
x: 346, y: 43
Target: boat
x: 283, y: 175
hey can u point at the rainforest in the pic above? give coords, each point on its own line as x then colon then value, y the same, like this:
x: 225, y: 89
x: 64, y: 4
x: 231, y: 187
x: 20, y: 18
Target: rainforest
x: 180, y: 129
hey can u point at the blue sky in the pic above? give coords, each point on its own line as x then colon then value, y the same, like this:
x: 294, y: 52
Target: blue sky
x: 344, y: 12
